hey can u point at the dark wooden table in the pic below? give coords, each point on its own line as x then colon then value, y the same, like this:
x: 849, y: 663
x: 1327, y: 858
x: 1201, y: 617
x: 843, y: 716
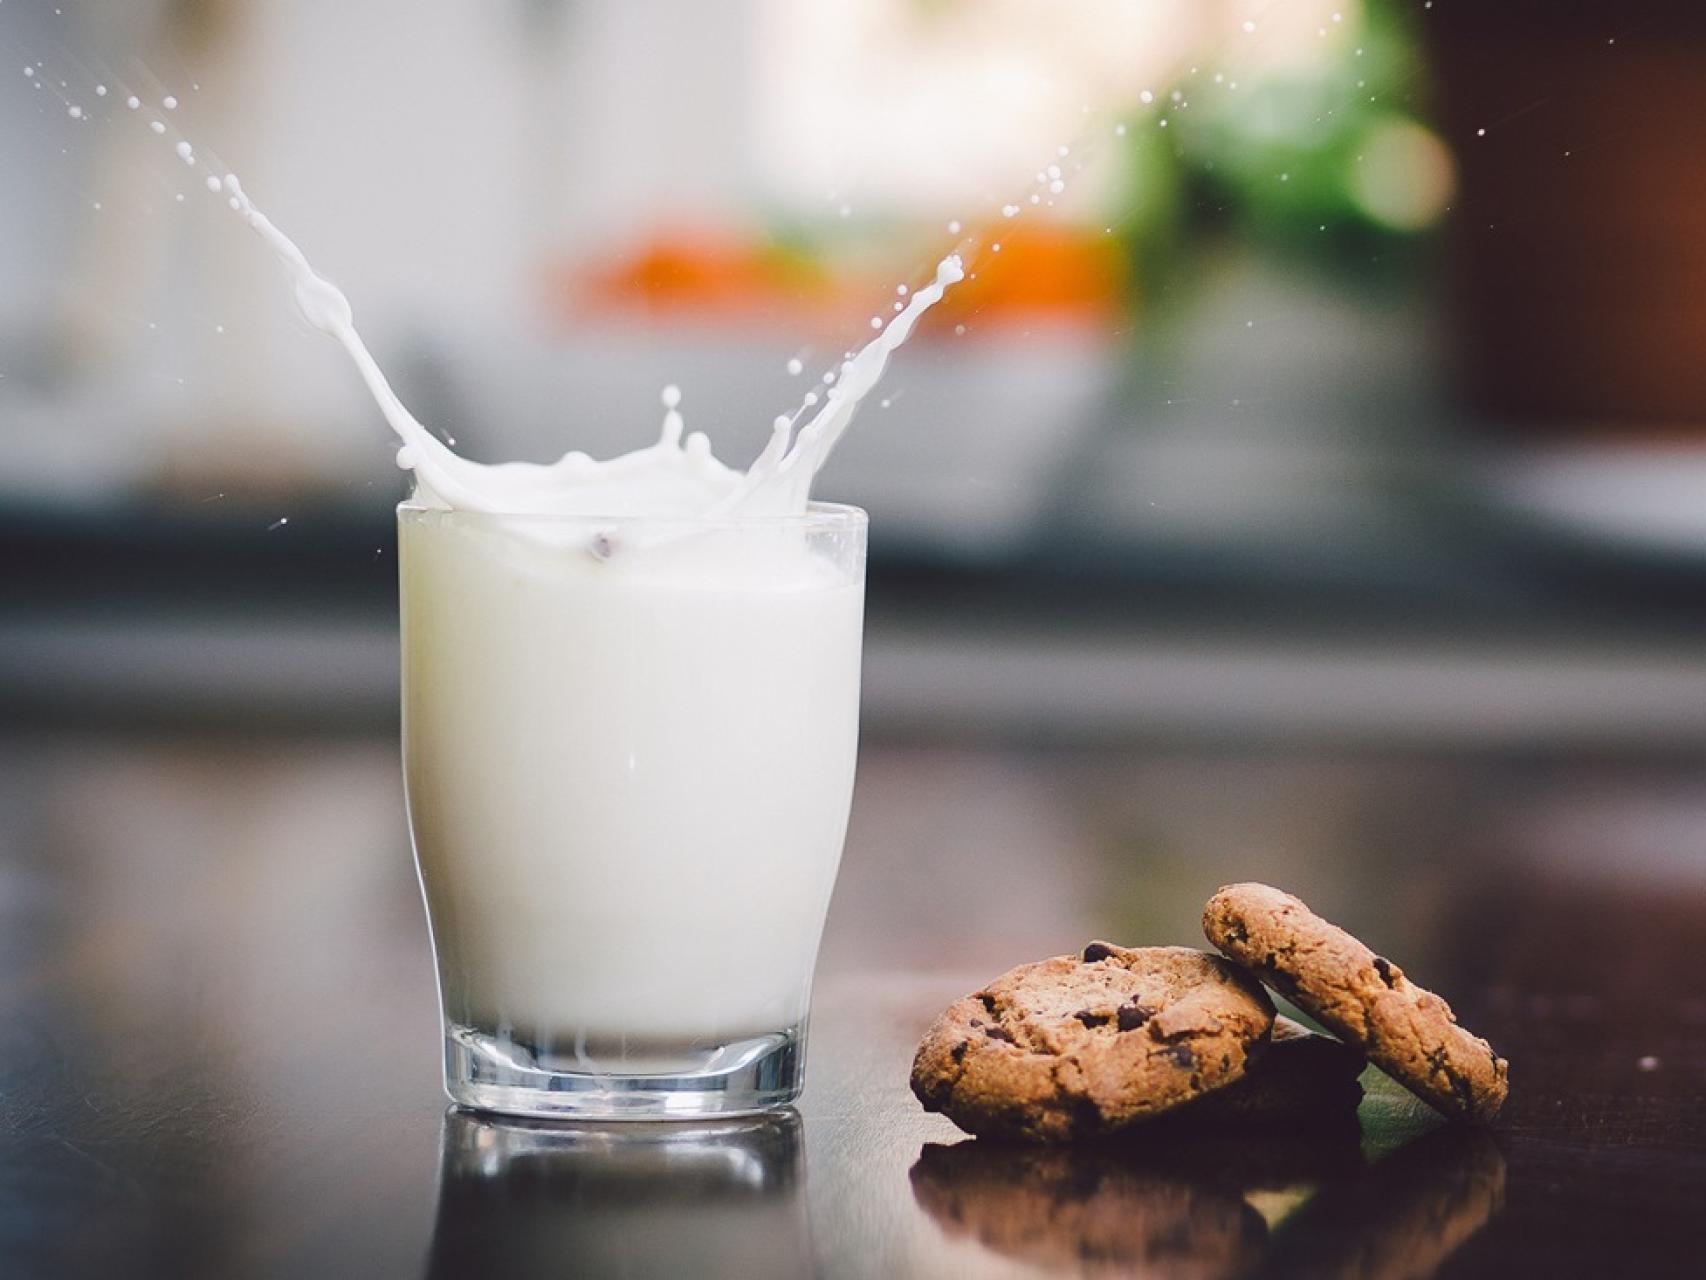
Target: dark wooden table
x: 218, y: 1037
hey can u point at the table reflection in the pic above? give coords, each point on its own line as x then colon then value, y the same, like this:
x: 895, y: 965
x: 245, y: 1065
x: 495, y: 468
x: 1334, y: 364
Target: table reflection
x: 1218, y: 1204
x: 715, y: 1198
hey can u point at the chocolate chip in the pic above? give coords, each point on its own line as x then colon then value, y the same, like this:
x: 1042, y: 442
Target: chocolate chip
x: 1236, y: 933
x: 1463, y: 1088
x: 958, y: 1052
x: 1097, y: 951
x: 1383, y: 967
x: 988, y: 1001
x: 1133, y: 1015
x: 999, y: 1033
x: 1182, y: 1055
x: 1092, y: 1019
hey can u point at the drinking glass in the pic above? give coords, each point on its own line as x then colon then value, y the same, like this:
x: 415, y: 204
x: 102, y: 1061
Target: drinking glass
x: 628, y: 750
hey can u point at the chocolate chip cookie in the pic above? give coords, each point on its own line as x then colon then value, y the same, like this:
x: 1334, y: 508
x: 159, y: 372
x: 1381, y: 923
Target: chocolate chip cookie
x: 1078, y: 1046
x: 1411, y: 1034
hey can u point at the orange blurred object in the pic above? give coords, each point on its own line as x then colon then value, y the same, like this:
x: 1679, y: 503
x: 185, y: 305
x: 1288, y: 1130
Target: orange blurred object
x: 697, y: 275
x: 1049, y: 274
x: 1046, y: 273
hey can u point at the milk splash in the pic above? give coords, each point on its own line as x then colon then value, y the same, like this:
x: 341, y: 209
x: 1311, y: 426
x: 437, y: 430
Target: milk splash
x: 677, y: 477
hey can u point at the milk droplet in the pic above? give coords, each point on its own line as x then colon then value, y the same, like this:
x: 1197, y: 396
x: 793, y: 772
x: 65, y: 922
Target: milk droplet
x: 212, y: 183
x: 1480, y: 133
x: 829, y: 378
x: 883, y: 403
x: 846, y: 211
x: 186, y: 153
x: 100, y: 91
x: 219, y: 328
x: 1248, y: 26
x: 157, y: 126
x: 1053, y: 171
x: 671, y: 396
x: 30, y: 71
x: 76, y: 113
x: 179, y: 197
x: 954, y: 227
x: 1063, y: 152
x: 1057, y: 186
x: 169, y: 102
x: 235, y: 203
x: 900, y: 289
x: 996, y: 247
x: 960, y: 330
x: 795, y: 366
x: 278, y: 524
x: 810, y: 398
x: 97, y: 206
x: 1009, y: 211
x: 876, y: 322
x: 133, y: 102
x: 900, y: 306
x: 781, y: 422
x: 1119, y: 131
x: 1036, y: 199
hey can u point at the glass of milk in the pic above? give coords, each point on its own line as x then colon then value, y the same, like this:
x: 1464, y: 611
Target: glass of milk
x: 628, y: 747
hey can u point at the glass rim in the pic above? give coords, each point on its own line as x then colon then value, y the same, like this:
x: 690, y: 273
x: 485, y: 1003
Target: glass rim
x: 817, y: 515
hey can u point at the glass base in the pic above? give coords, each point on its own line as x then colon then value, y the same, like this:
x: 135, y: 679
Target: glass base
x: 508, y: 1077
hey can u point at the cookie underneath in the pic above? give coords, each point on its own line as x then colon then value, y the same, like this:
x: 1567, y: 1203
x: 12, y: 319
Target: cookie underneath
x: 1301, y: 1079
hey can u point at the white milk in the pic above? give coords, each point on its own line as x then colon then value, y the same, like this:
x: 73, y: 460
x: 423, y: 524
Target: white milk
x: 629, y: 744
x: 628, y: 778
x: 676, y: 477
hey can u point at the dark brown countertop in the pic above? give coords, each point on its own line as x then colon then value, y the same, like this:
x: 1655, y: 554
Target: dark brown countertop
x: 218, y: 1034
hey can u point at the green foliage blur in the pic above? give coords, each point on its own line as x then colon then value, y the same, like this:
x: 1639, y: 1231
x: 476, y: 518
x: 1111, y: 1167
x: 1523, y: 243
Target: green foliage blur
x: 1331, y: 166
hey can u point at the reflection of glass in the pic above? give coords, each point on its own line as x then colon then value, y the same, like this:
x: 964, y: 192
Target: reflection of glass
x: 716, y: 1198
x: 629, y: 748
x: 1202, y: 1204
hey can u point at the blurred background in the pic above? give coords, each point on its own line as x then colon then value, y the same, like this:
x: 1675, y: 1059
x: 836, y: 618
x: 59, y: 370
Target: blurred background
x: 1339, y: 374
x: 1343, y: 377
